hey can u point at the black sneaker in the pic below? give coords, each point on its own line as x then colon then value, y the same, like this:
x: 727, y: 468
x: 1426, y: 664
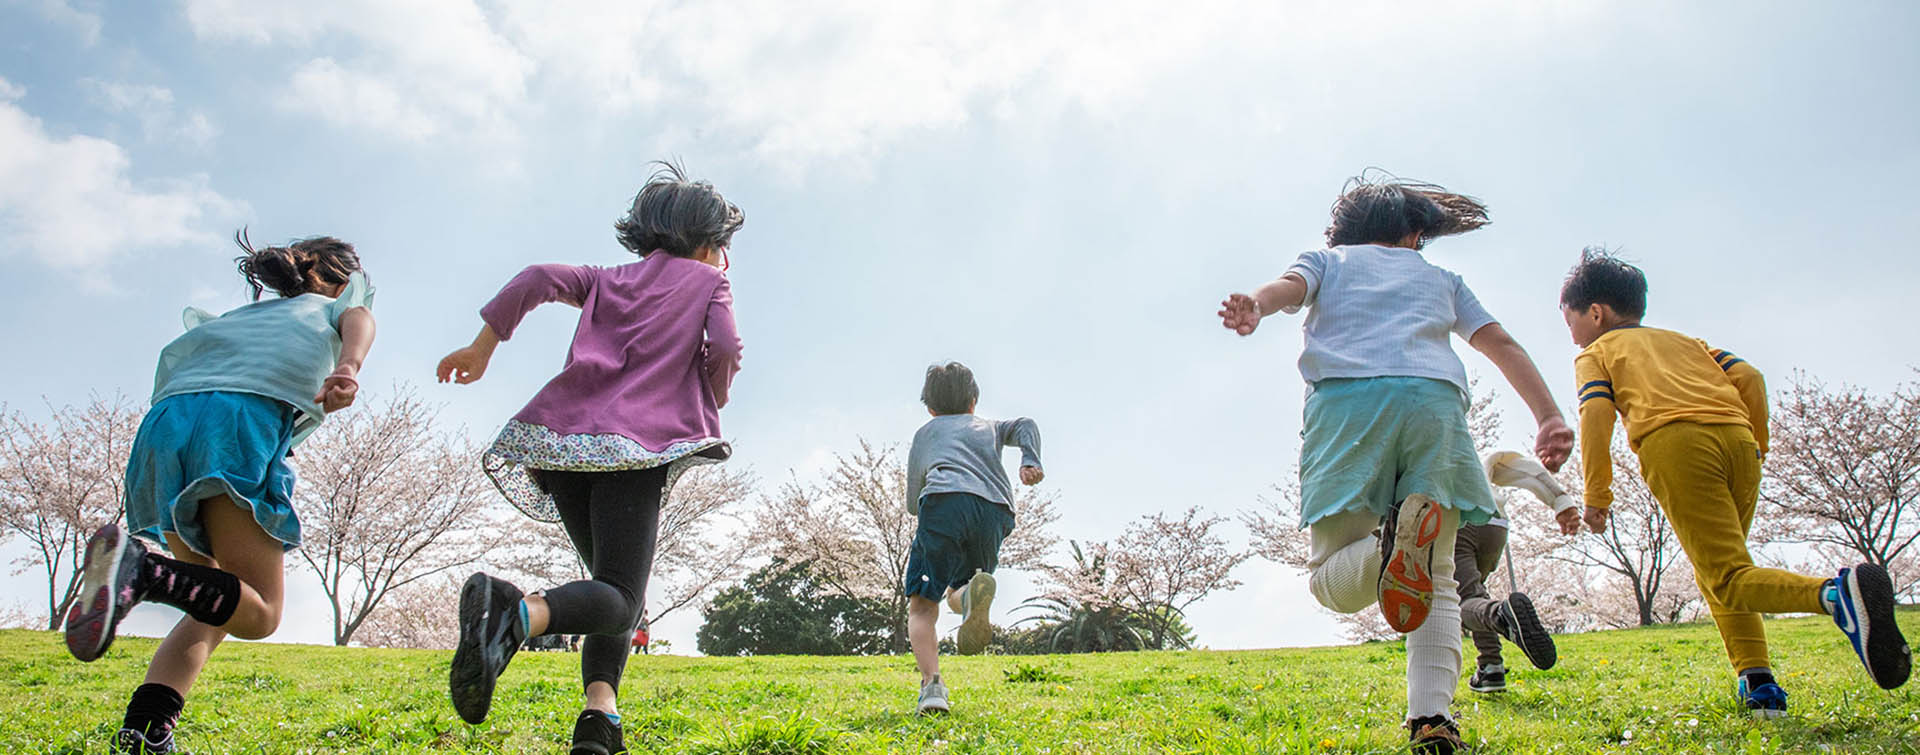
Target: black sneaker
x: 1435, y: 735
x: 1863, y: 609
x: 489, y: 634
x: 1521, y: 626
x: 596, y: 734
x: 1489, y: 679
x: 130, y: 742
x: 109, y: 587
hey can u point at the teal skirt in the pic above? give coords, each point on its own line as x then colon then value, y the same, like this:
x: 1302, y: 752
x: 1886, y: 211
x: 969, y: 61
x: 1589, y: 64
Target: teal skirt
x: 1370, y: 442
x: 196, y: 446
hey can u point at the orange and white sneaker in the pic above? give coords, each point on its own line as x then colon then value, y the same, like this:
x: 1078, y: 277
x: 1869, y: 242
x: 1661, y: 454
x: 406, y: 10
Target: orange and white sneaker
x: 1406, y: 561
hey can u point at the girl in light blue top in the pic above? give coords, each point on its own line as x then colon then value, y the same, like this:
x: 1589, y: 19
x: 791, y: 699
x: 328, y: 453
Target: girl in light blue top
x: 208, y: 478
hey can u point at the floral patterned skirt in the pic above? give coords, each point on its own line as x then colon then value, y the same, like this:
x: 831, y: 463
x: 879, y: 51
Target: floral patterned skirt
x: 523, y: 446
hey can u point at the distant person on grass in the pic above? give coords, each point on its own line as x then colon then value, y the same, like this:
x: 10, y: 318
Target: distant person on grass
x: 208, y: 476
x: 959, y: 490
x: 1476, y: 554
x: 1697, y: 417
x: 599, y: 447
x: 1388, y: 471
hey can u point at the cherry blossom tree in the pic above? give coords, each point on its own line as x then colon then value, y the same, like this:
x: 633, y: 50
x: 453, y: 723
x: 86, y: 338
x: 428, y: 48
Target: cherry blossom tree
x: 60, y: 480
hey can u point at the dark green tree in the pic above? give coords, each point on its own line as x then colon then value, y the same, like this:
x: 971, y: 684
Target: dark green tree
x: 785, y: 608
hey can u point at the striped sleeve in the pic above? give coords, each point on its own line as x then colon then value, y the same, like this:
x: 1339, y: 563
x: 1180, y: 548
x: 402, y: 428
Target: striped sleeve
x: 1752, y: 387
x: 1596, y: 428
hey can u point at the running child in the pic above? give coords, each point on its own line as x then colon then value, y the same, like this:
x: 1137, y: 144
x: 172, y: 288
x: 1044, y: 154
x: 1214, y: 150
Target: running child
x: 1386, y: 446
x: 207, y: 477
x: 1476, y: 554
x: 1697, y: 418
x: 959, y: 491
x: 599, y: 448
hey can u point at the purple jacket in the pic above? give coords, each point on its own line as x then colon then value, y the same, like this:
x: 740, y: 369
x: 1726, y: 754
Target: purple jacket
x: 653, y: 355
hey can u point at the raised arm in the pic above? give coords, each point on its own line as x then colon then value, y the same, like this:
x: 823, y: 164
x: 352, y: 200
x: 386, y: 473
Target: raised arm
x: 1554, y: 440
x: 1753, y: 391
x: 534, y: 286
x: 722, y: 352
x: 1024, y: 434
x: 1597, y: 411
x: 1241, y: 313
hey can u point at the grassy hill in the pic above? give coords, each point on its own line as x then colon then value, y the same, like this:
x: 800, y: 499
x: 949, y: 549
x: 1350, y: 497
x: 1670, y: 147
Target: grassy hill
x: 1665, y: 689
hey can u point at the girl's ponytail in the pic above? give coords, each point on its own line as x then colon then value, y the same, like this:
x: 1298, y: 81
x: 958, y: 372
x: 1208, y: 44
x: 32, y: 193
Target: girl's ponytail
x: 295, y: 269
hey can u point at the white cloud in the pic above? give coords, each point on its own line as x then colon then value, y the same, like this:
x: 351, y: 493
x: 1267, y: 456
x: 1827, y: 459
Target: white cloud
x: 70, y: 203
x: 153, y: 107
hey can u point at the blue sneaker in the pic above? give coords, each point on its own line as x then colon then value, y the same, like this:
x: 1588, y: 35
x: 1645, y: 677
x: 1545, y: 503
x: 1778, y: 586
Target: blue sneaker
x: 1862, y: 599
x: 1765, y: 701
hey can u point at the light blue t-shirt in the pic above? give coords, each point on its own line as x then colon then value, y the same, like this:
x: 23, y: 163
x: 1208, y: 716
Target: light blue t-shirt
x: 281, y: 348
x: 1383, y: 311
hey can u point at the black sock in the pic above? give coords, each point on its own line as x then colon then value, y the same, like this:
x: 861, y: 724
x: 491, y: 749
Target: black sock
x: 207, y: 594
x: 153, y: 711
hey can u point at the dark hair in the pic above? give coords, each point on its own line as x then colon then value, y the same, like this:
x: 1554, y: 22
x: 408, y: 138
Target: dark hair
x: 1377, y: 207
x: 677, y: 215
x: 949, y: 389
x: 1603, y: 278
x: 297, y: 268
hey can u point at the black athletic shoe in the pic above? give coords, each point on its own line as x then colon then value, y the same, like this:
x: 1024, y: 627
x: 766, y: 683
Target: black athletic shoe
x: 130, y: 742
x: 489, y: 634
x: 1489, y: 679
x: 1435, y: 735
x: 1521, y: 626
x: 595, y: 734
x: 1863, y: 609
x: 110, y: 586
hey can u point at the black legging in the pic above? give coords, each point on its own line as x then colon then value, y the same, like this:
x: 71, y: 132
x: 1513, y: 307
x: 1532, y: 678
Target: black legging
x: 613, y: 519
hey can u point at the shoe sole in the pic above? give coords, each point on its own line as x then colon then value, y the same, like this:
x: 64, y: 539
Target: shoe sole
x: 1765, y: 714
x: 1533, y: 637
x: 1487, y: 690
x: 91, y: 621
x: 1406, y: 576
x: 1884, y: 650
x: 976, y: 630
x: 468, y: 682
x: 933, y: 709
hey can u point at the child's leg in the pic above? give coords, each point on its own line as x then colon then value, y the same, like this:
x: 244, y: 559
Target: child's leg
x: 1343, y: 563
x: 922, y: 614
x: 1476, y: 554
x: 1433, y: 650
x: 613, y: 519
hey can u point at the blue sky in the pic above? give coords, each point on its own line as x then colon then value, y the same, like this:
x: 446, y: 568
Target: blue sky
x: 1056, y: 194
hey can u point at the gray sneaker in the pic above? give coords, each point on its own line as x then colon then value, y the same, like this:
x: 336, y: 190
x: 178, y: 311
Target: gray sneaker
x: 976, y: 605
x: 933, y: 697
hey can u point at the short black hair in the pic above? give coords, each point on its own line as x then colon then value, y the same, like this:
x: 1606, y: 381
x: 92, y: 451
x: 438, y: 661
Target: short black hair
x: 1601, y: 277
x: 1377, y: 207
x: 677, y: 215
x: 949, y: 389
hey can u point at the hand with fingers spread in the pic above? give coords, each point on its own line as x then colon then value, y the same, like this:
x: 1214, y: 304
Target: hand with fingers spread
x: 1240, y: 314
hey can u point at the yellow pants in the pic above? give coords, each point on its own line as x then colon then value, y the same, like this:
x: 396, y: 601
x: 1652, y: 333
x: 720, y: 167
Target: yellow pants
x: 1707, y: 479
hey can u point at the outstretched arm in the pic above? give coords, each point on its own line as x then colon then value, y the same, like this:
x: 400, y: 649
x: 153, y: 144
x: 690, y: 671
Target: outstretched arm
x: 1241, y: 313
x: 1554, y: 440
x: 534, y: 286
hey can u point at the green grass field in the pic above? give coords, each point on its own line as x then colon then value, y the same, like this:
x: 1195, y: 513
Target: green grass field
x: 1653, y: 690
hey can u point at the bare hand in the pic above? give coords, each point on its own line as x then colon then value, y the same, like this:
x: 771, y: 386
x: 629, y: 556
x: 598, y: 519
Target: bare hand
x: 463, y: 366
x: 1032, y: 475
x: 1240, y: 314
x: 1553, y: 444
x: 1597, y: 519
x: 1569, y: 521
x: 339, y: 389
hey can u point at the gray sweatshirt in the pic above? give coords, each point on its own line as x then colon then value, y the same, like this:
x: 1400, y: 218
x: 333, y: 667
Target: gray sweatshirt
x: 960, y: 453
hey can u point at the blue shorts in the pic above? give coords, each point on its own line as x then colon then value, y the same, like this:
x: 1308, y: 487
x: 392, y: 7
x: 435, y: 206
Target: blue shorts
x: 1371, y: 442
x: 959, y: 534
x: 195, y: 446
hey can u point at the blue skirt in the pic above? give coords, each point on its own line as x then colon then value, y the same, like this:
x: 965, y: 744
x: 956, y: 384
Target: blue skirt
x: 1370, y: 442
x: 196, y: 446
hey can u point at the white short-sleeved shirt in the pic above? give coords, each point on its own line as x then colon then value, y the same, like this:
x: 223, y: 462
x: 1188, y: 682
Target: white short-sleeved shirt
x: 1378, y: 311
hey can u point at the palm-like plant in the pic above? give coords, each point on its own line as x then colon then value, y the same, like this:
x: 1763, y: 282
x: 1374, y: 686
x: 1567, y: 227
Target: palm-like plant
x: 1083, y: 614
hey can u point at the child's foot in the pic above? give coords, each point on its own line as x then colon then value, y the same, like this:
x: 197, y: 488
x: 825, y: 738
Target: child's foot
x: 130, y: 742
x: 976, y: 602
x: 490, y: 632
x: 595, y: 733
x: 1435, y: 735
x: 1765, y: 700
x: 1521, y: 626
x: 109, y: 587
x: 933, y: 697
x: 1406, y: 561
x: 1863, y: 609
x: 1489, y: 679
